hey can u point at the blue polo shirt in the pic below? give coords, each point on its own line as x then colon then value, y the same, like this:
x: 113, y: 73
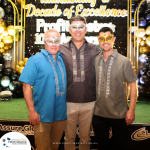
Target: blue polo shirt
x: 48, y: 79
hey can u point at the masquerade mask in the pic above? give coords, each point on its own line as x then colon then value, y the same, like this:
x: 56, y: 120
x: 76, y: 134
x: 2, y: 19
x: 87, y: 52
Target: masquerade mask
x: 77, y: 26
x: 53, y: 41
x: 105, y: 38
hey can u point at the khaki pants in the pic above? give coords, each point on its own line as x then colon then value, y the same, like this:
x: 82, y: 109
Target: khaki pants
x: 48, y: 135
x: 80, y: 113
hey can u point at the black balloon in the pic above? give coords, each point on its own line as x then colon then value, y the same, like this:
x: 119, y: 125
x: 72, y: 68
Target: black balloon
x: 144, y: 91
x: 15, y: 72
x: 1, y: 76
x: 8, y: 10
x: 6, y: 3
x: 5, y: 89
x: 2, y: 68
x: 9, y: 20
x: 2, y: 61
x: 148, y: 60
x: 14, y: 77
x: 148, y: 17
x: 15, y: 86
x: 133, y: 3
x: 8, y: 72
x: 19, y: 93
x: 142, y: 22
x: 10, y: 68
x: 5, y: 81
x: 148, y: 73
x: 148, y: 23
x: 145, y: 80
x: 147, y: 65
x: 143, y: 71
x: 1, y: 88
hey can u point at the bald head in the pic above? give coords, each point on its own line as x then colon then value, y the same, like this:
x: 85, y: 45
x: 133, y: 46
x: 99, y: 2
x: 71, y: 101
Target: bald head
x: 49, y: 32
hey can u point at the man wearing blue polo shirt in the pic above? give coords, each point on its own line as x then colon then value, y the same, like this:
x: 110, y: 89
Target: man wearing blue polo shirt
x: 46, y: 72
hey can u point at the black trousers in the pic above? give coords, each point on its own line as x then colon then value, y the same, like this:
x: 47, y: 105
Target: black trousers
x: 102, y: 126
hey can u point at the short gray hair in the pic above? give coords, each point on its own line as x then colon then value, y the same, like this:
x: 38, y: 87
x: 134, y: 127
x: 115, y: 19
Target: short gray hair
x: 77, y: 18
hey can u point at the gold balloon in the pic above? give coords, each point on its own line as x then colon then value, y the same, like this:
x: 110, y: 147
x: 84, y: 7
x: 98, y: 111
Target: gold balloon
x: 148, y: 30
x: 5, y: 33
x: 2, y: 50
x: 21, y: 63
x: 1, y: 45
x: 144, y: 37
x: 6, y: 47
x: 140, y: 32
x: 139, y: 40
x: 20, y: 70
x: 25, y: 60
x: 3, y: 23
x: 18, y: 2
x: 142, y: 43
x: 17, y: 67
x: 10, y: 46
x: 2, y: 28
x: 148, y: 41
x: 8, y: 40
x: 11, y: 30
x: 1, y: 36
x: 145, y: 50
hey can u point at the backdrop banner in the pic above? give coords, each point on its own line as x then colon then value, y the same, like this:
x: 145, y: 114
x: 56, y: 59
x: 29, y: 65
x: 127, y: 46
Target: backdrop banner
x: 42, y: 15
x: 138, y: 136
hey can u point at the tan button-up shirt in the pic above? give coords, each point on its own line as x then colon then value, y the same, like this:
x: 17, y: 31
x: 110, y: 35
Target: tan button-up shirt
x: 111, y: 79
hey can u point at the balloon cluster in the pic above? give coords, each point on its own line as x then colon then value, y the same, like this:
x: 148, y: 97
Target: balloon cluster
x: 21, y: 65
x: 6, y: 38
x: 143, y: 42
x: 7, y: 32
x: 144, y: 77
x: 9, y: 80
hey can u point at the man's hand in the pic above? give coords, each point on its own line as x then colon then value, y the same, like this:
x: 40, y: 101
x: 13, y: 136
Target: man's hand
x: 130, y: 116
x: 33, y: 118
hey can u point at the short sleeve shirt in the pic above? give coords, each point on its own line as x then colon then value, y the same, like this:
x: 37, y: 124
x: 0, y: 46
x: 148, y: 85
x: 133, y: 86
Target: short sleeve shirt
x: 111, y: 79
x: 49, y: 85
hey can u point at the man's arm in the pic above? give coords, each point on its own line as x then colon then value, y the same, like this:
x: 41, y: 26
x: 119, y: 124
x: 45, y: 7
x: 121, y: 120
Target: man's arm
x: 130, y: 116
x: 33, y: 116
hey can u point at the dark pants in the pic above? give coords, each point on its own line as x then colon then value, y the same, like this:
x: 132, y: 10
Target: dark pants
x: 102, y: 126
